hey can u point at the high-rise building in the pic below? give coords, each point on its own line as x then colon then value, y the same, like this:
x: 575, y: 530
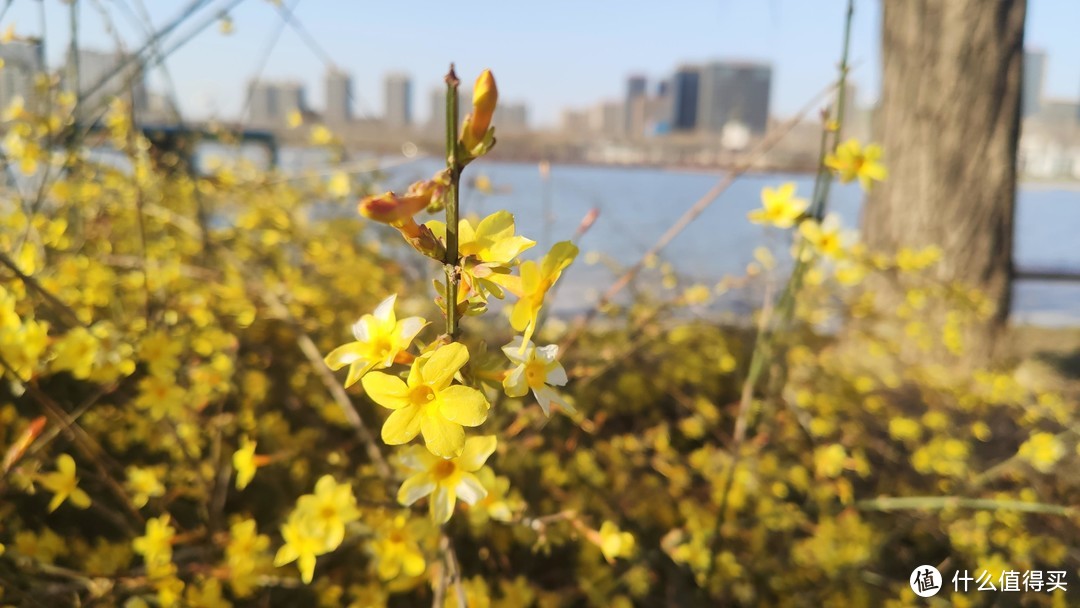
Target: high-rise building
x: 1034, y: 73
x: 104, y: 76
x: 734, y: 92
x: 338, y: 98
x: 511, y: 118
x: 685, y: 89
x: 635, y: 90
x: 270, y: 103
x: 398, y: 110
x: 23, y: 61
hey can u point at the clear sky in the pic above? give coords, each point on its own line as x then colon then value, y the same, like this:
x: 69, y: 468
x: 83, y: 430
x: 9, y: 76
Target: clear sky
x: 551, y: 54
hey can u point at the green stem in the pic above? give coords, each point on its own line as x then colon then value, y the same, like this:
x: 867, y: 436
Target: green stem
x: 453, y: 276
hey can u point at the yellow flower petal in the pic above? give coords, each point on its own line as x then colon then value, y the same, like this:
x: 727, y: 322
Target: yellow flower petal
x: 443, y: 438
x: 464, y: 405
x: 403, y: 425
x: 476, y: 452
x: 439, y: 369
x: 386, y: 390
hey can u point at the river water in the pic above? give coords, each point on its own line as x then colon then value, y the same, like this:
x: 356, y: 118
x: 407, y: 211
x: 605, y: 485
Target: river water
x: 636, y: 206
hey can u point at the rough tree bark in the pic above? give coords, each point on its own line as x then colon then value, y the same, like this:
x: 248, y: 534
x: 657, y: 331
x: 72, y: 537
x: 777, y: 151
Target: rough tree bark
x: 949, y: 126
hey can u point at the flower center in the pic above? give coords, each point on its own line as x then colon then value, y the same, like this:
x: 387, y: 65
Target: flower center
x: 443, y: 469
x: 421, y: 395
x: 536, y: 374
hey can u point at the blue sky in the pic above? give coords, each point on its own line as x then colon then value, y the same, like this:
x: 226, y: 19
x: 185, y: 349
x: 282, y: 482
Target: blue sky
x: 550, y: 54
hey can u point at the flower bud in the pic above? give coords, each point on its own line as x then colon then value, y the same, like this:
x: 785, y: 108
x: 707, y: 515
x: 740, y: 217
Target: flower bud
x: 389, y: 208
x: 485, y: 96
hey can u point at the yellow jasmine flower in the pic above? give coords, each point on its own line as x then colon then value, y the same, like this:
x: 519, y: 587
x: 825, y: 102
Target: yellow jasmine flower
x: 155, y: 545
x: 427, y: 404
x: 1043, y: 451
x: 851, y: 162
x: 380, y: 338
x: 76, y: 352
x: 446, y: 480
x: 330, y: 508
x: 143, y: 483
x: 245, y: 556
x: 498, y: 504
x: 779, y: 207
x: 245, y: 461
x: 64, y: 484
x: 487, y: 252
x: 340, y: 185
x: 537, y: 368
x: 615, y: 543
x: 397, y: 550
x: 321, y: 136
x: 303, y: 542
x: 824, y: 237
x: 533, y: 284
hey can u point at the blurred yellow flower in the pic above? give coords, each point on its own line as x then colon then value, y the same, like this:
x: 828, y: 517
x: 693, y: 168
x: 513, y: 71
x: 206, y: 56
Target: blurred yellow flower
x: 143, y: 483
x: 380, y: 338
x: 427, y: 404
x: 155, y: 545
x: 396, y: 548
x: 302, y: 544
x: 243, y: 461
x: 825, y: 237
x: 851, y: 161
x: 537, y: 369
x: 615, y: 543
x: 779, y: 207
x: 64, y: 484
x: 1043, y: 451
x: 446, y: 479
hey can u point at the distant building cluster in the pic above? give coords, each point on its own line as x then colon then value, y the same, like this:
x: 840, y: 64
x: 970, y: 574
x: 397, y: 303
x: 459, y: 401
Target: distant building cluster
x: 98, y: 76
x: 726, y: 98
x: 270, y: 104
x: 1050, y: 139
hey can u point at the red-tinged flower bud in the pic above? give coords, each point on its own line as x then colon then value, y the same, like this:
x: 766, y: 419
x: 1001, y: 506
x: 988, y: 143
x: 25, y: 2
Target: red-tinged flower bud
x: 485, y: 96
x: 391, y: 209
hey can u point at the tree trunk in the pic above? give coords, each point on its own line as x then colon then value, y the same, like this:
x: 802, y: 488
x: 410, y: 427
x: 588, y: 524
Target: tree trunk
x: 949, y: 126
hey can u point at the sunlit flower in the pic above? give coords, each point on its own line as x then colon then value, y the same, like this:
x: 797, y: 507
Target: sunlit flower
x: 488, y: 251
x: 155, y: 545
x: 143, y: 483
x: 303, y: 543
x: 330, y: 507
x: 825, y: 237
x: 538, y: 369
x: 245, y: 556
x: 245, y: 461
x: 1043, y: 451
x: 446, y: 480
x: 397, y: 550
x: 380, y: 338
x: 851, y: 161
x: 533, y: 284
x: 427, y: 404
x: 779, y: 207
x: 76, y: 352
x: 64, y: 484
x: 615, y: 543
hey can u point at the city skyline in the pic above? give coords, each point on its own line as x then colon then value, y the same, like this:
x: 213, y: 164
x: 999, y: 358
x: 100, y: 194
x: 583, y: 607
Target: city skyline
x: 801, y: 42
